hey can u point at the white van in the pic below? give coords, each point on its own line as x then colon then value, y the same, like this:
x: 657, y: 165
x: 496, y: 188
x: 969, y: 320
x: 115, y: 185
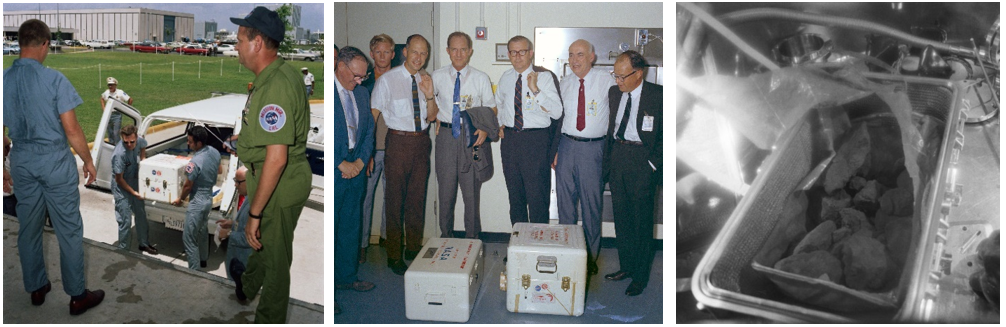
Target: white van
x: 165, y: 132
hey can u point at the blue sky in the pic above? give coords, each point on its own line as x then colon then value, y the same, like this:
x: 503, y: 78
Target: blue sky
x: 312, y: 14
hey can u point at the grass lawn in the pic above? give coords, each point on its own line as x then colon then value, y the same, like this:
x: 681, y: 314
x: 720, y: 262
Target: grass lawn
x: 161, y: 86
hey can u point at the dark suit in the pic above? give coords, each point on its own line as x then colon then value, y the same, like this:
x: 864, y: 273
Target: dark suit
x: 633, y: 180
x: 349, y: 192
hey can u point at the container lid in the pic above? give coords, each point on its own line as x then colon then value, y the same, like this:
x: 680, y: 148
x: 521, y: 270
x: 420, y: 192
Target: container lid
x: 447, y: 255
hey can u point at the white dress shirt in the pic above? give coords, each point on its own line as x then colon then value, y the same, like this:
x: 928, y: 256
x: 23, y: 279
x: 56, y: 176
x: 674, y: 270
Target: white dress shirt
x: 536, y: 109
x: 345, y: 103
x: 630, y: 131
x: 476, y: 90
x: 118, y: 95
x: 392, y: 96
x: 308, y: 79
x: 595, y: 94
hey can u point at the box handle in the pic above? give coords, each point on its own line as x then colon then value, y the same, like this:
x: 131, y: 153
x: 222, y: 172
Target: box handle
x: 546, y: 264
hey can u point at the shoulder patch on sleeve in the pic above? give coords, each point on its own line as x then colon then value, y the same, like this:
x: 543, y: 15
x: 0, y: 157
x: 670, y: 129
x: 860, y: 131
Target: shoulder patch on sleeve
x: 189, y: 167
x: 272, y: 118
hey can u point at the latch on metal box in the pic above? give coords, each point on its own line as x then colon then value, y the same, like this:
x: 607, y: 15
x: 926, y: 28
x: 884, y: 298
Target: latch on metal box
x: 525, y: 281
x: 565, y: 283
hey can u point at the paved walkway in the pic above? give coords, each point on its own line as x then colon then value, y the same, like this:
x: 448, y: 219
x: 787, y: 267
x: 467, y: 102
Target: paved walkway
x: 138, y: 289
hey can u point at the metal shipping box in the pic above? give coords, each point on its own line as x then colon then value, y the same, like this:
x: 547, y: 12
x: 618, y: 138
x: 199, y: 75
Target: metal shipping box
x: 162, y: 177
x: 444, y: 279
x: 547, y: 269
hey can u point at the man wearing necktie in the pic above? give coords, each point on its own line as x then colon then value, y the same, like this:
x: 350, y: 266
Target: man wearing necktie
x: 526, y: 106
x: 460, y: 87
x: 354, y: 143
x: 632, y: 163
x: 581, y: 147
x: 404, y: 95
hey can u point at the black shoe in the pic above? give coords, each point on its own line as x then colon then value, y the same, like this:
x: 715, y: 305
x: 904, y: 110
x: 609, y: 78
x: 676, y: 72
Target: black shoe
x: 634, y: 289
x: 398, y: 267
x: 202, y: 264
x: 591, y: 268
x: 238, y: 268
x: 79, y: 304
x: 618, y: 275
x: 150, y: 249
x: 38, y: 296
x: 411, y: 255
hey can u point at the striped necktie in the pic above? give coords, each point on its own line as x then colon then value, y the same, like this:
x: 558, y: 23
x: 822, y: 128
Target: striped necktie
x: 518, y: 115
x: 415, y: 105
x: 351, y: 120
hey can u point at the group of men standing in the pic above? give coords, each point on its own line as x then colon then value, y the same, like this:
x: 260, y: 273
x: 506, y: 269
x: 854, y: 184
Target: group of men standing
x: 594, y: 127
x: 39, y: 106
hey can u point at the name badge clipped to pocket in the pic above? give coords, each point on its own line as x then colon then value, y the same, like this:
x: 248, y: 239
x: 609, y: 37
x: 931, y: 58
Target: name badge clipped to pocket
x: 647, y: 123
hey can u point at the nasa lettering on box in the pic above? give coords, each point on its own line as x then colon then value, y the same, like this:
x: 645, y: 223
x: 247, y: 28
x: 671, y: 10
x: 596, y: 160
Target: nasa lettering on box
x: 162, y: 177
x: 443, y: 281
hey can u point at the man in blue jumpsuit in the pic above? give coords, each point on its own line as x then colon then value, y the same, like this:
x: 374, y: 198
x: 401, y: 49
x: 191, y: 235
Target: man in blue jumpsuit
x: 38, y: 110
x: 202, y: 170
x: 237, y: 245
x: 126, y: 158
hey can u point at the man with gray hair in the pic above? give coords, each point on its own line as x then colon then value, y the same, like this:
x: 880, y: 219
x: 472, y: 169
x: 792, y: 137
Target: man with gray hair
x: 578, y: 163
x: 354, y: 143
x: 39, y: 111
x: 527, y: 105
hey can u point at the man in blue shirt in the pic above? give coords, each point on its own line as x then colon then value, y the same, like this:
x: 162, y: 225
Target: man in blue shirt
x: 202, y: 170
x: 237, y: 245
x: 126, y: 158
x: 38, y: 110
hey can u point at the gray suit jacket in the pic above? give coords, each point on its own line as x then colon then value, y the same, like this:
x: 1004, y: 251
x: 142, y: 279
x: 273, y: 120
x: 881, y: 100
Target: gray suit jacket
x: 483, y: 118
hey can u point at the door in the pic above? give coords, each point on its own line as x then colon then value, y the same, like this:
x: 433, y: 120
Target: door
x: 101, y: 151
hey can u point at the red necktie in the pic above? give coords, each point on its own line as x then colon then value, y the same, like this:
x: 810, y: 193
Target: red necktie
x: 581, y: 119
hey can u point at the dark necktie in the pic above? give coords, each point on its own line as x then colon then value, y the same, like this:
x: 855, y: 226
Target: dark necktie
x: 581, y: 119
x: 415, y: 105
x: 518, y: 115
x: 456, y: 116
x: 625, y: 117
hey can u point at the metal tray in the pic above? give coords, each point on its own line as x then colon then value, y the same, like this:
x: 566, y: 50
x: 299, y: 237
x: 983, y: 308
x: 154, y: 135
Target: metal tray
x: 725, y: 278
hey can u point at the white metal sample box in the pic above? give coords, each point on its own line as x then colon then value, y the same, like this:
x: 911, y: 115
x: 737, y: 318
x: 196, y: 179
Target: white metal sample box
x: 444, y: 279
x: 162, y: 177
x: 547, y: 269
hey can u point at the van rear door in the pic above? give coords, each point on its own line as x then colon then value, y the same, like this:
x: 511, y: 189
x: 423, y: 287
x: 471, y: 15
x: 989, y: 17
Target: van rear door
x: 101, y: 150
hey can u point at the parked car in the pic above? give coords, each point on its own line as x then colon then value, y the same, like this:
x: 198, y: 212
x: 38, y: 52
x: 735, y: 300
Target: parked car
x: 98, y: 44
x: 165, y: 131
x: 226, y: 47
x: 299, y: 54
x: 152, y: 47
x: 192, y: 49
x: 230, y: 53
x: 11, y: 49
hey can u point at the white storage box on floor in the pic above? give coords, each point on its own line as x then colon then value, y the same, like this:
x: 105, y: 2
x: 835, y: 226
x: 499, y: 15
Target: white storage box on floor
x: 162, y: 177
x: 443, y: 280
x: 546, y: 270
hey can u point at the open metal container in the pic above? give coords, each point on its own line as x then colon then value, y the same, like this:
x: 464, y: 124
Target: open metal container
x: 725, y: 278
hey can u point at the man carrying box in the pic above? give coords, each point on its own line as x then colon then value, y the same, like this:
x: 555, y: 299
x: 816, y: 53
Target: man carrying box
x: 126, y: 158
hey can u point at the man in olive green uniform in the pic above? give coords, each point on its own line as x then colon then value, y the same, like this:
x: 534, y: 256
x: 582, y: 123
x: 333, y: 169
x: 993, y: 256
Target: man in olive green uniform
x: 272, y: 144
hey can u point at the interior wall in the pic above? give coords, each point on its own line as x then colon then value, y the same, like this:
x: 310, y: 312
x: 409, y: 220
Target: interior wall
x: 356, y: 23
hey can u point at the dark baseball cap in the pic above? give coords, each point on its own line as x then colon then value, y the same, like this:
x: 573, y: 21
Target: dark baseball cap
x: 264, y: 20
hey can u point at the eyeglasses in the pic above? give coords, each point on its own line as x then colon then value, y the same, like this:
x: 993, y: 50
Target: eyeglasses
x: 357, y: 78
x: 522, y: 53
x: 622, y: 78
x: 128, y: 142
x: 238, y: 182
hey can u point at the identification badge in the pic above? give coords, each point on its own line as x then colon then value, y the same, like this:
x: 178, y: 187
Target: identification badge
x: 647, y: 123
x: 592, y: 110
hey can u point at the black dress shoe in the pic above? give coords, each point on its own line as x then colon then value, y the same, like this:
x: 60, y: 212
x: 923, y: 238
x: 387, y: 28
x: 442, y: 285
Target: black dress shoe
x: 634, y: 289
x: 591, y: 268
x: 238, y: 268
x: 89, y: 300
x: 202, y: 264
x: 150, y: 249
x: 38, y: 296
x: 618, y: 275
x: 398, y: 267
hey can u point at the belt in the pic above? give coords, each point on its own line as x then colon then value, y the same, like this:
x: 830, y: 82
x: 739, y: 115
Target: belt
x: 445, y: 125
x: 583, y: 139
x: 524, y: 130
x: 398, y: 132
x: 633, y: 143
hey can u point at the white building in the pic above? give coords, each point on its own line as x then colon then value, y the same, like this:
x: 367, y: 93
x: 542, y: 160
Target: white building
x: 205, y: 30
x: 128, y: 24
